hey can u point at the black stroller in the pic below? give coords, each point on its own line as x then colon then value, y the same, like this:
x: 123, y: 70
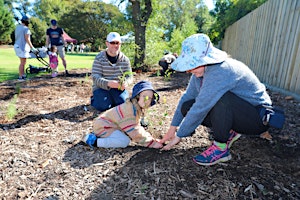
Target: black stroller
x: 40, y: 55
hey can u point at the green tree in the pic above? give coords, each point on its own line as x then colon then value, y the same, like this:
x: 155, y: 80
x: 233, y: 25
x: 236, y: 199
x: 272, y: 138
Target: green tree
x: 92, y: 21
x: 6, y: 24
x: 46, y: 10
x: 141, y: 11
x: 19, y: 8
x: 171, y: 22
x: 38, y: 31
x: 227, y: 12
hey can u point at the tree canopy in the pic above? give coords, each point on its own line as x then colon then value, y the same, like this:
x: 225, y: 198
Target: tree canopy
x: 156, y: 25
x: 227, y: 12
x: 6, y: 24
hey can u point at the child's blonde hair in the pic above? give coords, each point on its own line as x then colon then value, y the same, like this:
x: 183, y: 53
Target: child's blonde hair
x: 139, y: 109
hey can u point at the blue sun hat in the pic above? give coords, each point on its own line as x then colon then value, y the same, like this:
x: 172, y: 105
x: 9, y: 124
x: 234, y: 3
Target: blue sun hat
x: 142, y: 86
x: 197, y: 50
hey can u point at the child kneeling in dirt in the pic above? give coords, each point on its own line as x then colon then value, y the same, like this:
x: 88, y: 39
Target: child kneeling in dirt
x: 116, y: 127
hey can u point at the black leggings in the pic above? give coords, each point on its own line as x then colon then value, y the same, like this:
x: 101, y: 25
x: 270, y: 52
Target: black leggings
x: 230, y: 112
x: 164, y: 65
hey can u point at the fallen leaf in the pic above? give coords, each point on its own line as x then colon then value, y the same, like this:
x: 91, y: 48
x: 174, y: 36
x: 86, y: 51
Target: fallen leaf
x: 266, y: 135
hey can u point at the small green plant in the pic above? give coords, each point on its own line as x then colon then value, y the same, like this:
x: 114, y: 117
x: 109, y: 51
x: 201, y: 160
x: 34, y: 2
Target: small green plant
x: 18, y: 88
x: 11, y: 109
x: 144, y: 188
x: 85, y: 80
x: 168, y: 75
x: 158, y: 73
x: 123, y: 77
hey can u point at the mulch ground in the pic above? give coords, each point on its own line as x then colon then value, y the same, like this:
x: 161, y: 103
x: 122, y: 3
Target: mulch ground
x: 42, y: 156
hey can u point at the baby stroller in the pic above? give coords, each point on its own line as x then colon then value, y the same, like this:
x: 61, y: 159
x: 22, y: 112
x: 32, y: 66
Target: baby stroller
x: 40, y: 55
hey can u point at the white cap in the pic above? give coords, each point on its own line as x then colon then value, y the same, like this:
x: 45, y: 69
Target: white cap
x: 113, y: 36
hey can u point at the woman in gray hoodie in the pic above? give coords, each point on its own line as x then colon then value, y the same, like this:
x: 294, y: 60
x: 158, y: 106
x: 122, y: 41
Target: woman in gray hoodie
x: 223, y: 94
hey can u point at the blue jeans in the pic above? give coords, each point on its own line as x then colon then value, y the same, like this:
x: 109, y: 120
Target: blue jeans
x: 105, y: 99
x: 230, y: 112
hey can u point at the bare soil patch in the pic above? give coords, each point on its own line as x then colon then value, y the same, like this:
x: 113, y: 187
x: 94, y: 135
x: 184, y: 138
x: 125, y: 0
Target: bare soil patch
x: 42, y: 156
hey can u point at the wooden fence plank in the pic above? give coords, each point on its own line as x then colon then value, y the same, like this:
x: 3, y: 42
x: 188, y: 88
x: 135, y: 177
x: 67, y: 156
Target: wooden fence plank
x: 281, y: 67
x: 268, y: 41
x: 293, y: 68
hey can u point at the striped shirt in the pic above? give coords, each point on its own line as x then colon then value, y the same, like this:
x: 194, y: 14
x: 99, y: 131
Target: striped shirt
x: 103, y: 70
x: 124, y: 118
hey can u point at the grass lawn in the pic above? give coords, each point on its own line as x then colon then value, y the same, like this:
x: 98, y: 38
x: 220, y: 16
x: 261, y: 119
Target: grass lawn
x: 9, y: 62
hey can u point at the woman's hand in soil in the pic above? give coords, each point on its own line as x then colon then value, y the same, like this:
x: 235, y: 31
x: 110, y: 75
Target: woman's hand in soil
x: 169, y: 135
x: 173, y: 142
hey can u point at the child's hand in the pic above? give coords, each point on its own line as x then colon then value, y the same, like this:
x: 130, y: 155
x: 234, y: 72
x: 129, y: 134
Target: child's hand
x: 154, y: 144
x: 157, y: 145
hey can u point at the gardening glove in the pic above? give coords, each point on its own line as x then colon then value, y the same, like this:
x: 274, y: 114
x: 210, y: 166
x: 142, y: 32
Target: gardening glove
x: 34, y: 50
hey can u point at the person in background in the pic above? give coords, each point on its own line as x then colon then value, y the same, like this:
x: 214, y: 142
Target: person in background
x: 165, y: 62
x: 223, y: 94
x: 23, y: 45
x: 54, y: 36
x: 111, y: 73
x: 116, y: 127
x: 71, y: 47
x: 82, y: 47
x: 53, y: 60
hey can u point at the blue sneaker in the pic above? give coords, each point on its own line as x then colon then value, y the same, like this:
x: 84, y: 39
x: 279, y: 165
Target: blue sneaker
x: 212, y: 155
x: 90, y: 139
x: 234, y: 136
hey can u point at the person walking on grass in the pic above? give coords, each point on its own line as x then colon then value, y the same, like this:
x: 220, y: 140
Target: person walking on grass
x: 53, y: 60
x: 23, y: 45
x: 116, y: 127
x: 223, y: 94
x: 54, y: 36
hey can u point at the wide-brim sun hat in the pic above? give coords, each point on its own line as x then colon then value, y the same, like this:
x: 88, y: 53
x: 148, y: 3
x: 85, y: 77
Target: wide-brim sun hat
x: 197, y: 50
x: 142, y: 86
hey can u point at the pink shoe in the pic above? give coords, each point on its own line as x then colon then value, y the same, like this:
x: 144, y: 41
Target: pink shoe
x: 234, y: 136
x: 212, y: 155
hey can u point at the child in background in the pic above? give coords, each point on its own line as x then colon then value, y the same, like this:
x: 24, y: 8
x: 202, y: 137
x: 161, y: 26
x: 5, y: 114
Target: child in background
x: 116, y: 127
x: 53, y: 60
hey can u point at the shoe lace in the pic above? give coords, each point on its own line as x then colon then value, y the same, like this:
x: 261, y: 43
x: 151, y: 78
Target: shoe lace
x: 210, y: 150
x: 232, y: 134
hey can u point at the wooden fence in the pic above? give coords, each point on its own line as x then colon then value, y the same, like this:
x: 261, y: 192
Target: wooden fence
x: 267, y: 40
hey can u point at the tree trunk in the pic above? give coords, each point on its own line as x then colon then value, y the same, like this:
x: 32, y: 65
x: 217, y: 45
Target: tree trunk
x: 140, y: 18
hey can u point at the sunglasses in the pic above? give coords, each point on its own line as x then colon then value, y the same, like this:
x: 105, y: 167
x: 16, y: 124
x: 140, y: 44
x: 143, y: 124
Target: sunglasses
x: 117, y: 43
